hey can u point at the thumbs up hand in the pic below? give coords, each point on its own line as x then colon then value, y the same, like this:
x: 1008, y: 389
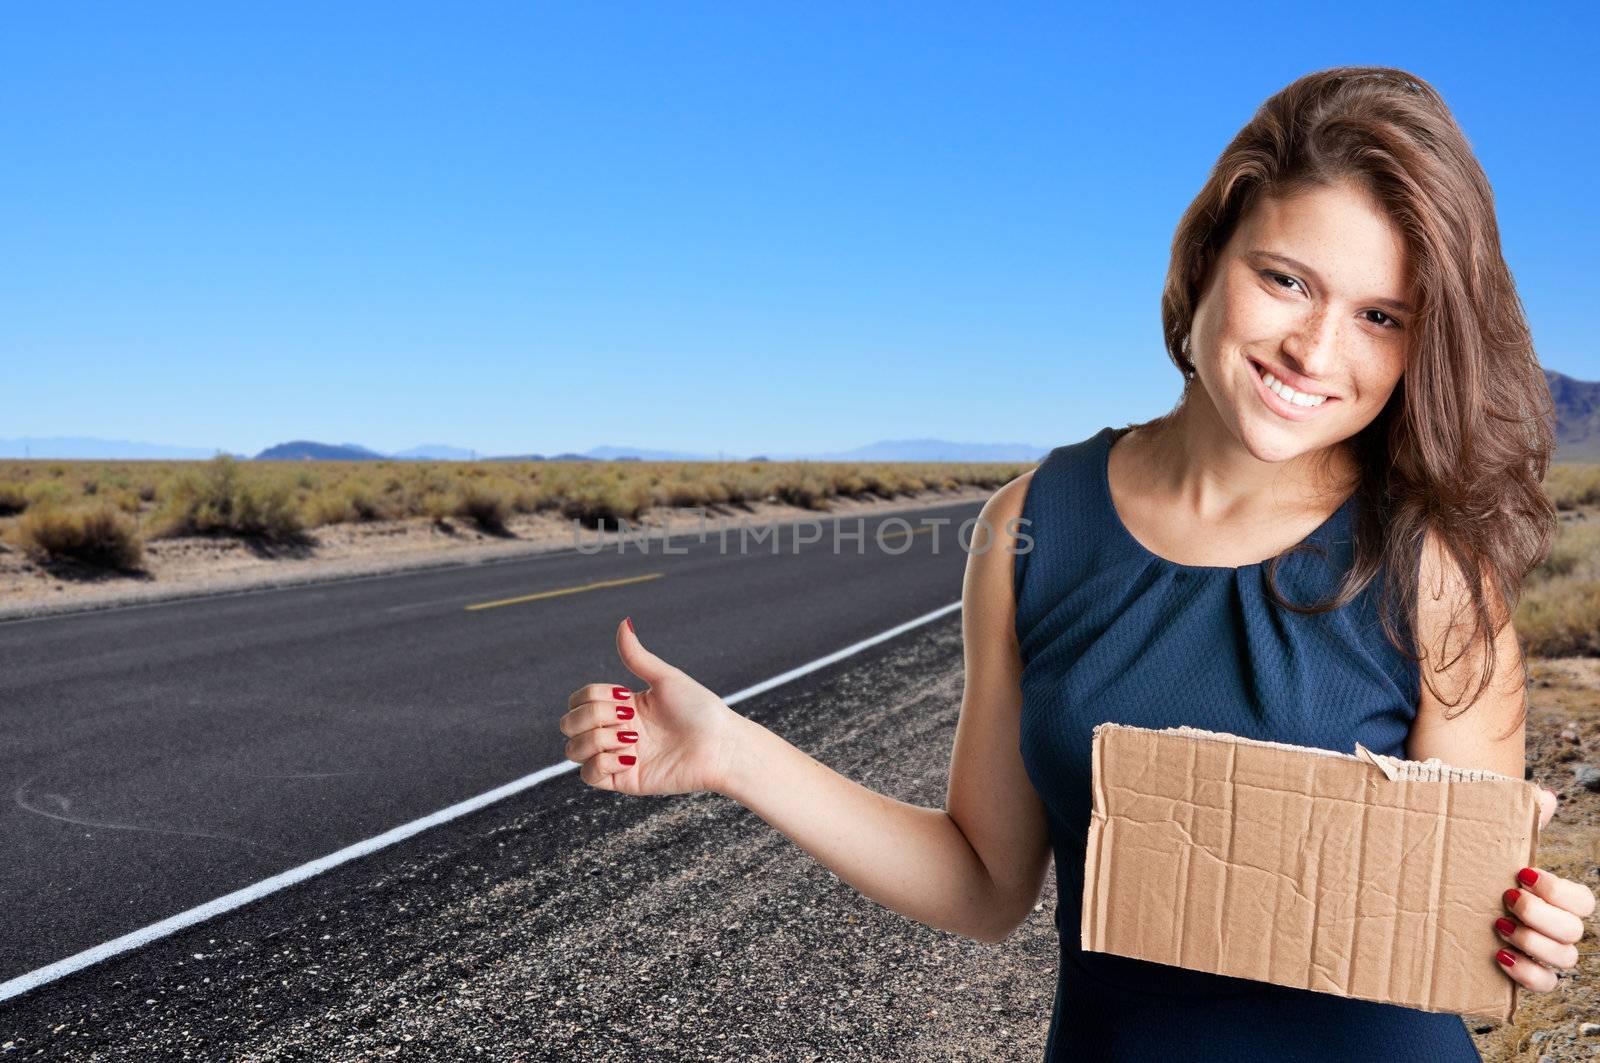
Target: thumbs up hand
x: 673, y: 737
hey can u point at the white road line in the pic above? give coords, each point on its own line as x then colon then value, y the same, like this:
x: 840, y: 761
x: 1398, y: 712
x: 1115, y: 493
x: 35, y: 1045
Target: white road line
x: 33, y: 979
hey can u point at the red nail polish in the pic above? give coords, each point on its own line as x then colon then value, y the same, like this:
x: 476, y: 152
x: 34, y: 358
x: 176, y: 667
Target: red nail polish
x: 628, y: 736
x: 1505, y: 926
x: 1512, y: 896
x: 620, y: 693
x: 624, y: 712
x: 1506, y: 958
x: 626, y: 758
x: 1527, y: 876
x: 629, y: 619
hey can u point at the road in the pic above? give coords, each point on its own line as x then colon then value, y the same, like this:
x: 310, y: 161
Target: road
x: 161, y: 756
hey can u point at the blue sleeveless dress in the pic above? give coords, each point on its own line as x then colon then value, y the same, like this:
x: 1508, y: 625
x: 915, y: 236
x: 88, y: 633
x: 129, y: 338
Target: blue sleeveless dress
x: 1110, y: 631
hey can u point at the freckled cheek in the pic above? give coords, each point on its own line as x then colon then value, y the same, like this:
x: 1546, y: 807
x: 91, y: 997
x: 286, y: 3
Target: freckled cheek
x: 1255, y: 320
x: 1378, y: 373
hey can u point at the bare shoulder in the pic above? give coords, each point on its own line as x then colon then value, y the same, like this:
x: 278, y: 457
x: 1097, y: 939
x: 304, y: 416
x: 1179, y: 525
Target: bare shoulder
x: 1004, y: 507
x: 989, y: 602
x: 991, y: 799
x: 1444, y: 598
x: 1491, y: 732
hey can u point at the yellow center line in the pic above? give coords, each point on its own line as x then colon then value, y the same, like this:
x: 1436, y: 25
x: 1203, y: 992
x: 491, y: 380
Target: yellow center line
x: 566, y: 590
x: 915, y: 531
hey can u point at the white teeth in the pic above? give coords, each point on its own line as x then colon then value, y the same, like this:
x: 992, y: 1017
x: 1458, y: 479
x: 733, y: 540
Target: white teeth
x: 1289, y: 394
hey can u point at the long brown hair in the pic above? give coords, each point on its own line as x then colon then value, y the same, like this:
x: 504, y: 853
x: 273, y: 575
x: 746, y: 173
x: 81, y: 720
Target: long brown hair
x: 1463, y: 444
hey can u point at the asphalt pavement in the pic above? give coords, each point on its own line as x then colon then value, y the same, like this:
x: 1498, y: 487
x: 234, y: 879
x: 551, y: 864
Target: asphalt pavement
x: 160, y: 756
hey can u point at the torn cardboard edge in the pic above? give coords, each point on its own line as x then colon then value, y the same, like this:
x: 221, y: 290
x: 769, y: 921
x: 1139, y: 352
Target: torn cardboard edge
x: 1431, y: 770
x: 1170, y: 877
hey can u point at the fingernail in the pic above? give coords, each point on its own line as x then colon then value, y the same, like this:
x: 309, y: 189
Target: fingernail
x: 1506, y: 958
x: 1505, y: 926
x: 624, y: 712
x: 628, y: 736
x: 620, y: 693
x: 1512, y: 896
x: 626, y: 758
x: 629, y: 619
x: 1527, y: 876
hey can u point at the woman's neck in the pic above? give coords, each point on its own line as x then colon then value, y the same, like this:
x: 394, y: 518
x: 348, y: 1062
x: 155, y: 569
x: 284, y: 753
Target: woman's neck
x: 1194, y: 463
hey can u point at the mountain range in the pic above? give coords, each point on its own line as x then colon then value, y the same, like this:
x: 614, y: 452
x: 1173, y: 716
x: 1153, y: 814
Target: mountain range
x: 1577, y: 405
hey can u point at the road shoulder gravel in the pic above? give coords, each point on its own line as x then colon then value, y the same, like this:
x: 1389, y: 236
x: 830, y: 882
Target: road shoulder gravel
x: 573, y: 923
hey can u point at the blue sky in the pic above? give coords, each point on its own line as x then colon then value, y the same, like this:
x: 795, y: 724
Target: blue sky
x: 730, y: 227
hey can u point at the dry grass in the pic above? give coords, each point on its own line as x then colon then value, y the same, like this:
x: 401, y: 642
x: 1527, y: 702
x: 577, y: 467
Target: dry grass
x: 13, y: 499
x: 1573, y: 485
x: 1563, y: 733
x: 99, y: 535
x: 1559, y: 614
x: 327, y: 492
x: 221, y: 498
x: 282, y: 501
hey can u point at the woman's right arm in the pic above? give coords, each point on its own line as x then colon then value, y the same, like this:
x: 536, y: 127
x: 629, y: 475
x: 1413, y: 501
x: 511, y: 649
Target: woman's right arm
x: 975, y: 867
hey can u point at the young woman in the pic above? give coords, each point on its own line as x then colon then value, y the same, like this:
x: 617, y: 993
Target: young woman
x: 1363, y: 423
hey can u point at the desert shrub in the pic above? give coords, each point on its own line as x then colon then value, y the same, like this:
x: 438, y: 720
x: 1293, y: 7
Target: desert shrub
x: 46, y: 492
x: 219, y: 499
x: 744, y: 487
x: 679, y: 493
x: 99, y: 536
x: 882, y: 482
x: 486, y: 505
x: 850, y: 484
x: 1560, y: 618
x: 428, y: 492
x: 13, y: 499
x: 605, y: 501
x: 327, y: 507
x: 532, y: 497
x: 713, y: 491
x: 437, y: 507
x: 360, y: 501
x: 1576, y: 552
x: 1573, y: 486
x: 1559, y: 613
x: 809, y: 490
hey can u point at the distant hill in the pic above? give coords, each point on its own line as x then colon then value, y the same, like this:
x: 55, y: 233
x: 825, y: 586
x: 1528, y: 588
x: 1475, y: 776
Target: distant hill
x: 1577, y: 404
x: 306, y: 450
x: 926, y: 450
x: 884, y: 450
x: 436, y: 452
x: 80, y: 448
x: 608, y: 453
x: 1577, y: 417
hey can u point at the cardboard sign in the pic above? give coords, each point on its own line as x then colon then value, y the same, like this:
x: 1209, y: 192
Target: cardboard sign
x: 1366, y: 876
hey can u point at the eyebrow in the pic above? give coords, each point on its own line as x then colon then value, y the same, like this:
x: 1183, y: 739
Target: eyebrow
x: 1393, y: 304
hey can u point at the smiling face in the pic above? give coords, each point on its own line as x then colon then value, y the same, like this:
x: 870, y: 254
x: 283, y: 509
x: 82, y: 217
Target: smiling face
x: 1308, y: 294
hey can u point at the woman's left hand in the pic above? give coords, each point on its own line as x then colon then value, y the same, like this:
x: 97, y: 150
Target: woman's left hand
x: 1547, y: 920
